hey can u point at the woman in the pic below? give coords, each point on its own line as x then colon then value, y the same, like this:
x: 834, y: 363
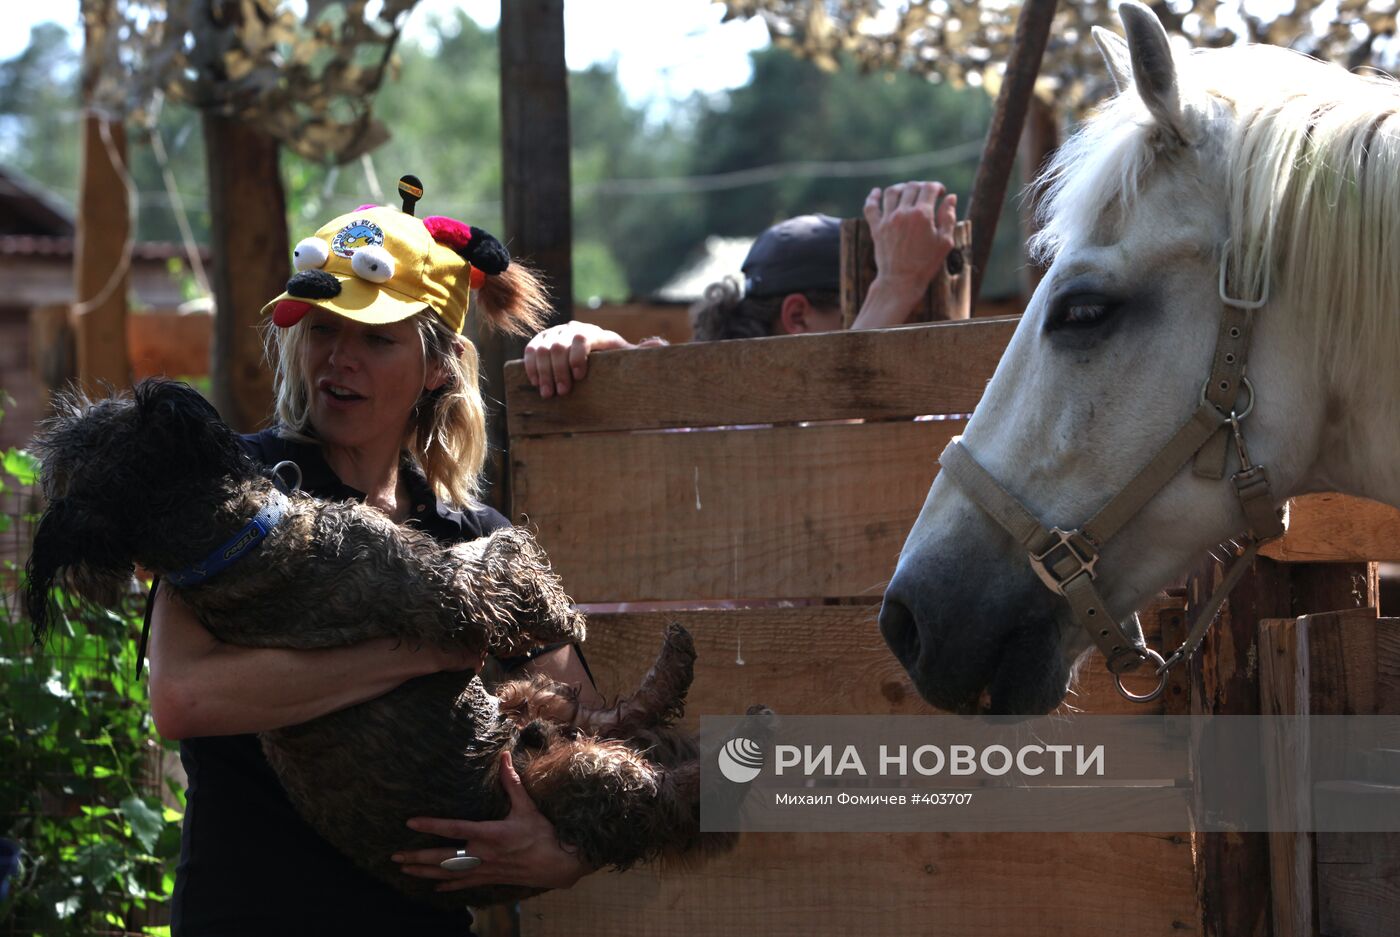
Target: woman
x: 376, y: 399
x: 791, y: 283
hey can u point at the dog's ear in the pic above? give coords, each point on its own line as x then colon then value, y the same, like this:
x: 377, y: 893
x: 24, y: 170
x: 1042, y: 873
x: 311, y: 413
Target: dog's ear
x: 79, y: 550
x: 184, y: 430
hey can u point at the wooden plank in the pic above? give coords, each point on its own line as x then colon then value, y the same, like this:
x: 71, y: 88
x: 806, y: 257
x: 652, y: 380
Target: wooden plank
x: 955, y: 885
x: 1358, y: 874
x: 1333, y: 528
x: 1284, y: 682
x: 948, y: 296
x: 169, y: 344
x: 805, y: 661
x: 1388, y: 667
x: 772, y: 513
x: 872, y: 375
x: 1342, y: 662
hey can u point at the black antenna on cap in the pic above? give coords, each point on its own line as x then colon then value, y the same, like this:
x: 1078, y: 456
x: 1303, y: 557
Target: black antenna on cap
x: 411, y: 189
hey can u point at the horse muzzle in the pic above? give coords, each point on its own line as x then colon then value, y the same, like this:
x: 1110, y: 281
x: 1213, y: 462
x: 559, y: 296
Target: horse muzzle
x: 977, y: 632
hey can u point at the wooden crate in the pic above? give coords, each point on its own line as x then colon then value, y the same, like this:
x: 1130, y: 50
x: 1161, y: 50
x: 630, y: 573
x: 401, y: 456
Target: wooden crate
x: 791, y: 468
x: 797, y: 477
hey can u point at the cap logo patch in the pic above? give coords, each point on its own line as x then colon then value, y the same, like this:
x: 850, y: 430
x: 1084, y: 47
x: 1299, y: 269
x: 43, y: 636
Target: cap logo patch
x: 358, y: 233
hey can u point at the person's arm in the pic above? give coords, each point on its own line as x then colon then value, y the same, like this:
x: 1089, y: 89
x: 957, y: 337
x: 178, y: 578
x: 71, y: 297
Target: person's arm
x: 913, y: 234
x: 201, y: 686
x: 522, y: 849
x: 558, y: 356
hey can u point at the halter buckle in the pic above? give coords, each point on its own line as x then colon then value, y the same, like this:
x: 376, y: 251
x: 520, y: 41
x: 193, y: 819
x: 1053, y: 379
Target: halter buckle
x: 1077, y: 549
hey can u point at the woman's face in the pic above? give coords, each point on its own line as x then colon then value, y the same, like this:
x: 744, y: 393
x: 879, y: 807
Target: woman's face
x: 364, y: 379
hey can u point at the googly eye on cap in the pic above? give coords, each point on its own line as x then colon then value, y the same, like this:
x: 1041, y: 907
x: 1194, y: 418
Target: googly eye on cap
x: 310, y: 254
x: 372, y: 263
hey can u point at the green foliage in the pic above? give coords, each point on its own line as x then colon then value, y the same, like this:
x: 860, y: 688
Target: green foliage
x: 39, y: 125
x: 443, y: 109
x: 79, y: 752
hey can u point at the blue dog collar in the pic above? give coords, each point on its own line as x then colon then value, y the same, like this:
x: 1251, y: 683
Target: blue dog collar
x: 237, y: 546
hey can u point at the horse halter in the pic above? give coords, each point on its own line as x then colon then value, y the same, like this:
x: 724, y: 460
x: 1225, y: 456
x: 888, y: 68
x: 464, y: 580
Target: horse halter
x: 1066, y: 560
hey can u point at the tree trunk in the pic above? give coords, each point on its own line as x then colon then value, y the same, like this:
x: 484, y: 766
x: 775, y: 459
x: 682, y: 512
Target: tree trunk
x: 250, y: 253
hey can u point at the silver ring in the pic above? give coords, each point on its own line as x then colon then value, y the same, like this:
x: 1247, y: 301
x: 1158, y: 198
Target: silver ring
x: 1153, y: 657
x: 1249, y: 388
x: 461, y: 862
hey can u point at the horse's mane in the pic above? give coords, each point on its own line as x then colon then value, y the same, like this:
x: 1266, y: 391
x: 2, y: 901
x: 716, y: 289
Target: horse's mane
x: 1312, y: 162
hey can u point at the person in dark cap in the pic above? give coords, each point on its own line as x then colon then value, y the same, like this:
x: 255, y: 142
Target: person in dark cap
x: 791, y: 283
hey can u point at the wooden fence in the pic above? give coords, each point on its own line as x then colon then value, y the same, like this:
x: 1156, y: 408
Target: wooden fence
x: 797, y: 478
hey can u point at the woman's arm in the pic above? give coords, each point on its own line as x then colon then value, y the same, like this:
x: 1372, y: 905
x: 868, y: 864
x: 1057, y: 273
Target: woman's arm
x: 202, y: 686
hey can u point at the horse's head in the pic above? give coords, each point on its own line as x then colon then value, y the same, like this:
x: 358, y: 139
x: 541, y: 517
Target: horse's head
x: 1110, y: 358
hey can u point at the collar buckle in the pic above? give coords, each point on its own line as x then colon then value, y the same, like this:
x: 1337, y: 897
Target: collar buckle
x: 1079, y: 557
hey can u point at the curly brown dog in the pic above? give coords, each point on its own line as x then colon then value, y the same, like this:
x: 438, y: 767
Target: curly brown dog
x: 155, y: 478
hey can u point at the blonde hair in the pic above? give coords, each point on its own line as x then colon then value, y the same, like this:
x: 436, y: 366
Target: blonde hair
x: 446, y: 434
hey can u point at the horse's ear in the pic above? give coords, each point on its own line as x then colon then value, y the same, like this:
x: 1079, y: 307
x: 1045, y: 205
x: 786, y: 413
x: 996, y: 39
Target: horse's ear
x: 1153, y: 69
x: 1114, y: 49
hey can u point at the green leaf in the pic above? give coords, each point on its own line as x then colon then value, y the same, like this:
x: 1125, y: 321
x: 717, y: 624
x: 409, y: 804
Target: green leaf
x: 22, y: 466
x: 146, y: 823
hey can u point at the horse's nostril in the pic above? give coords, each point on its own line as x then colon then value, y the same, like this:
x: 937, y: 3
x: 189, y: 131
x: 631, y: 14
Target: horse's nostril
x: 900, y: 631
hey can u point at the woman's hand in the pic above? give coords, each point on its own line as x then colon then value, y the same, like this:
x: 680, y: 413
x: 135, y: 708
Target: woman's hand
x: 913, y: 235
x: 558, y: 356
x: 522, y: 849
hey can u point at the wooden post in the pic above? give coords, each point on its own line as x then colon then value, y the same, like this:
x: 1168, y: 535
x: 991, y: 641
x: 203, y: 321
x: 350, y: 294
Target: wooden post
x: 51, y: 352
x: 536, y: 191
x: 251, y: 257
x: 1233, y: 871
x: 1004, y: 134
x: 1038, y: 145
x: 101, y: 257
x: 250, y: 261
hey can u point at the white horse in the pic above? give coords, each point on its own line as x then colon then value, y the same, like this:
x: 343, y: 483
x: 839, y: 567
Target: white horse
x: 1220, y: 192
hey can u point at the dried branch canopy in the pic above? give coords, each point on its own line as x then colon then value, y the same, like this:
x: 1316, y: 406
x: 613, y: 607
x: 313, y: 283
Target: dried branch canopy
x: 968, y: 41
x: 307, y: 79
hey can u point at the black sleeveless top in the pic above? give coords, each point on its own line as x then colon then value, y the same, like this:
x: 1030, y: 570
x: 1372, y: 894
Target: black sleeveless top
x: 249, y: 865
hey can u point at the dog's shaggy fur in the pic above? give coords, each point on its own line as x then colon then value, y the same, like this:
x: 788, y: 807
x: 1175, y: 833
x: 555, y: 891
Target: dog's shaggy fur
x: 156, y: 479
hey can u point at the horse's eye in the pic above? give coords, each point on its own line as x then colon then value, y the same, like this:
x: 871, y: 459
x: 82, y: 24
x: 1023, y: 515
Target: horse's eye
x: 1080, y: 312
x: 1084, y: 312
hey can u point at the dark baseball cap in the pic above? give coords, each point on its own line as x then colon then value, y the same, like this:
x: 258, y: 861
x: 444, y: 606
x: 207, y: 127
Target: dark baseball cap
x: 802, y: 253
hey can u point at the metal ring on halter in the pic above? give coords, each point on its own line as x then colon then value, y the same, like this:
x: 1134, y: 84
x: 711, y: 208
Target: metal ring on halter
x: 296, y: 474
x: 1152, y: 657
x: 1248, y: 407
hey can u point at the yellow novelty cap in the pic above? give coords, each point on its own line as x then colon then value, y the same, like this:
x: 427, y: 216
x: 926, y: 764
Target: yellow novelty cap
x: 376, y: 265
